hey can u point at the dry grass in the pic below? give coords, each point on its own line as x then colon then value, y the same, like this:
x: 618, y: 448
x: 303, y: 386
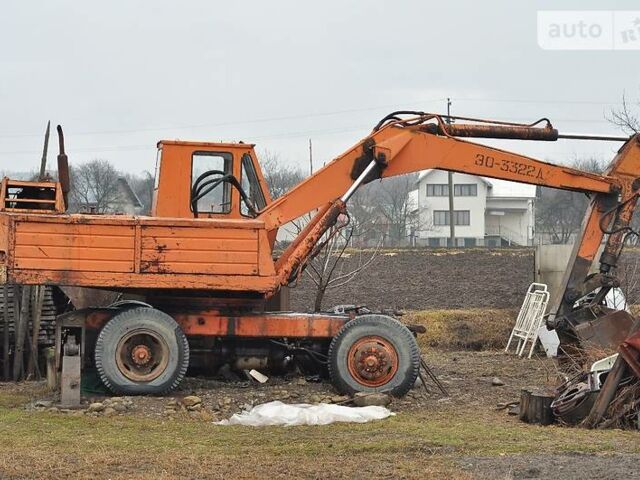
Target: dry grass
x: 472, y: 329
x: 428, y: 438
x: 411, y: 445
x: 421, y: 443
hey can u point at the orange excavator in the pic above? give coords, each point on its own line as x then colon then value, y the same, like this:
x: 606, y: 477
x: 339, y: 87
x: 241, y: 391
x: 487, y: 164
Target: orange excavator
x: 198, y: 273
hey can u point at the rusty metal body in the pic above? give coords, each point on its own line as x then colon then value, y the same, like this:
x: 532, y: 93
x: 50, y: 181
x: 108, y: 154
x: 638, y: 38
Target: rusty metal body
x: 138, y: 253
x: 630, y: 351
x: 222, y: 249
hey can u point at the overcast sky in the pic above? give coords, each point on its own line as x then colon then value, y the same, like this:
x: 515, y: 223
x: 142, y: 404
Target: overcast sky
x: 120, y: 75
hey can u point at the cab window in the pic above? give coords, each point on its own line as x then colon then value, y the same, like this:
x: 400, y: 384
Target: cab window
x: 251, y: 186
x: 207, y: 182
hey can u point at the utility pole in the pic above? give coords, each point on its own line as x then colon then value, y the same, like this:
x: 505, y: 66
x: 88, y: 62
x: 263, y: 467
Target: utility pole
x: 452, y: 227
x: 310, y: 158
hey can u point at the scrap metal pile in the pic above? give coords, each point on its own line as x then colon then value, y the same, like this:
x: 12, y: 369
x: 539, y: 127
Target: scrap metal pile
x: 608, y: 395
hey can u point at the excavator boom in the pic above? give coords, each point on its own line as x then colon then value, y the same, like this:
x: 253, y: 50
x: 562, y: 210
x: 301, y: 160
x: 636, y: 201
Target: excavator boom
x: 423, y: 142
x: 399, y: 146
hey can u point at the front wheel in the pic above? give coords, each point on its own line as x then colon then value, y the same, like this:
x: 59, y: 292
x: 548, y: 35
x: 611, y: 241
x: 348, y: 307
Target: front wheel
x: 141, y: 351
x: 374, y: 353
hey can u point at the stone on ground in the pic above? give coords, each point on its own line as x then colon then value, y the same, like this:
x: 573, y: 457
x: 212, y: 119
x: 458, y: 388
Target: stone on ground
x: 95, y: 407
x: 191, y: 401
x: 366, y: 399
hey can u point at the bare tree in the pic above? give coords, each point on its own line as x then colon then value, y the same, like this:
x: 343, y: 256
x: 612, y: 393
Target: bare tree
x: 559, y: 213
x: 93, y: 186
x: 625, y: 117
x: 328, y: 267
x: 394, y: 205
x: 279, y: 177
x: 365, y: 217
x: 382, y: 209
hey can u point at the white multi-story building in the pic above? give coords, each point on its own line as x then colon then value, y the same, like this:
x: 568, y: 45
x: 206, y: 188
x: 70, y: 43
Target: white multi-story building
x: 487, y: 211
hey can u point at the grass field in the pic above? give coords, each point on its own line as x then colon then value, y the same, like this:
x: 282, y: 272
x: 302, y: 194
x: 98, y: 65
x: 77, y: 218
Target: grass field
x: 412, y: 444
x: 463, y: 436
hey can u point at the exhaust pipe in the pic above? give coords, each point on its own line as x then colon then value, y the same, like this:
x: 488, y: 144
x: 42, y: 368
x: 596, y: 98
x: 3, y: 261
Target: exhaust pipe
x: 63, y: 168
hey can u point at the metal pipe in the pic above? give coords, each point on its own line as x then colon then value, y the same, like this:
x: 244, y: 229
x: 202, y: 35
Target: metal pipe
x: 352, y: 189
x: 63, y: 169
x: 511, y: 132
x: 593, y: 136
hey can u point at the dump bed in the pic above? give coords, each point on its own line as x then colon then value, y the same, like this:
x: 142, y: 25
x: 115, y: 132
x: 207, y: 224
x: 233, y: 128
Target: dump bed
x: 127, y: 252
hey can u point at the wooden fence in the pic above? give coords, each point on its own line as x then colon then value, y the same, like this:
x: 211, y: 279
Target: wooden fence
x: 23, y: 311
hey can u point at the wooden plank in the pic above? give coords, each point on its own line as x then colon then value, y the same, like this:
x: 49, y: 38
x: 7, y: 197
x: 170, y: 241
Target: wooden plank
x: 5, y: 333
x: 30, y: 200
x: 121, y: 221
x: 73, y: 228
x: 202, y: 223
x: 37, y: 301
x: 67, y: 240
x: 211, y: 244
x: 73, y: 253
x: 69, y: 265
x: 233, y: 281
x: 21, y: 324
x: 199, y: 268
x: 25, y: 183
x: 198, y: 256
x: 193, y: 232
x: 46, y: 331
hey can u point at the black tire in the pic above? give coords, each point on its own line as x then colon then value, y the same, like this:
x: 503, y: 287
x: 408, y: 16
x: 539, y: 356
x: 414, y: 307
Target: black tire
x: 124, y: 325
x: 388, y: 329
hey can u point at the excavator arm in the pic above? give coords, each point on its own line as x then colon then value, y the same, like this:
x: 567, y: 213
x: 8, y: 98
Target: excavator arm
x: 422, y: 141
x: 402, y: 147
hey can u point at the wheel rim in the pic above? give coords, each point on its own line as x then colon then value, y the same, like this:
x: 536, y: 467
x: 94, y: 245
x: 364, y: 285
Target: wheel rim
x: 372, y: 361
x: 142, y: 355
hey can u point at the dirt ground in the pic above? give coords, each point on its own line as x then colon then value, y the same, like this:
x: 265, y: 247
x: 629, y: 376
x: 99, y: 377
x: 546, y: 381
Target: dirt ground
x: 464, y: 435
x: 430, y: 279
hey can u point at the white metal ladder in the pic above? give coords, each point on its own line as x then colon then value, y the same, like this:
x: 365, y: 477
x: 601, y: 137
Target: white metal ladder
x: 530, y: 318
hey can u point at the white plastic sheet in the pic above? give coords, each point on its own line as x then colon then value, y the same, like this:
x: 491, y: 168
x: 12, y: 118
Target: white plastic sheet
x: 278, y: 413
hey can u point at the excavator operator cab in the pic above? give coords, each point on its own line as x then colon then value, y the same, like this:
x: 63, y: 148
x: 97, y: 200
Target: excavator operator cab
x: 208, y: 180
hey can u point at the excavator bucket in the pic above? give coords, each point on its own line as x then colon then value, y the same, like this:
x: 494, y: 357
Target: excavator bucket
x: 605, y: 332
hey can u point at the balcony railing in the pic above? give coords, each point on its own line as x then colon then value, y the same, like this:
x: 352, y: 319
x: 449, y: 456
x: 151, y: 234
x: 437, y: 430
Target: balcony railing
x: 509, y: 235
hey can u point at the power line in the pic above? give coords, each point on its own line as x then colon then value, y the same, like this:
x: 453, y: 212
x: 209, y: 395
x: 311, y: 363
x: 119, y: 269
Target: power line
x: 275, y: 136
x: 234, y: 122
x: 564, y: 102
x: 109, y: 148
x: 315, y: 115
x: 288, y: 134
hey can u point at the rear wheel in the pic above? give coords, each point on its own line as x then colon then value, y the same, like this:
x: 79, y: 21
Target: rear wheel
x: 374, y: 353
x: 141, y: 351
